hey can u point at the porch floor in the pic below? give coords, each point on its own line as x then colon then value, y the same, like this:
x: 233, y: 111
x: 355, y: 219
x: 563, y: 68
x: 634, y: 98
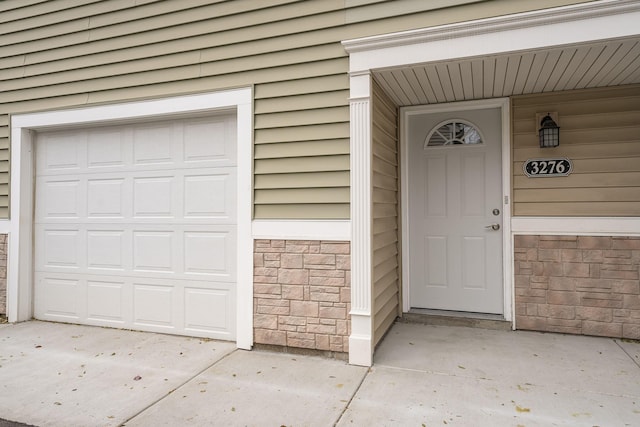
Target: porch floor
x: 443, y: 375
x: 60, y: 375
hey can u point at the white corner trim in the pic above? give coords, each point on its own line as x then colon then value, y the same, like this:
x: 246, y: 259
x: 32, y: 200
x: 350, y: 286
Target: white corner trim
x: 580, y: 23
x: 20, y: 225
x: 301, y: 229
x: 361, y: 336
x: 507, y: 242
x: 244, y: 205
x: 577, y: 226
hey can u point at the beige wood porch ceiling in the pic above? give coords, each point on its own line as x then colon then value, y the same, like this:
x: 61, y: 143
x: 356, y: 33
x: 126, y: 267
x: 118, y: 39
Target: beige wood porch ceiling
x: 610, y: 63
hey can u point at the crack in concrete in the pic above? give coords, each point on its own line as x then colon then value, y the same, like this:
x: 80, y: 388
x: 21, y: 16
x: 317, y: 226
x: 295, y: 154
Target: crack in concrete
x: 637, y: 362
x: 170, y: 392
x: 355, y: 392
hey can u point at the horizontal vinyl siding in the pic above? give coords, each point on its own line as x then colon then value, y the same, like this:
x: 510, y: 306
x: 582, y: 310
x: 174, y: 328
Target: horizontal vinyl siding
x: 68, y: 53
x: 63, y: 54
x: 600, y: 133
x: 386, y: 271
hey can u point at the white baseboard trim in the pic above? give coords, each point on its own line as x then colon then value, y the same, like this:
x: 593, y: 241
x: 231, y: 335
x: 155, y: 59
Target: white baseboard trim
x: 302, y: 229
x: 578, y: 226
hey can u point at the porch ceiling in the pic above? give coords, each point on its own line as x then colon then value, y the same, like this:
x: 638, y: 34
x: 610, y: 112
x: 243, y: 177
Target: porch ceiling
x: 606, y: 63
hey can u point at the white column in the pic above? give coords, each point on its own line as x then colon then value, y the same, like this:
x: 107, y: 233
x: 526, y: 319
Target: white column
x: 19, y: 254
x: 244, y: 254
x: 361, y: 339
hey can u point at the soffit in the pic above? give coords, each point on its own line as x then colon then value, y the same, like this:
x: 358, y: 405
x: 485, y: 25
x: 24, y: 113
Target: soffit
x: 610, y: 63
x: 587, y: 45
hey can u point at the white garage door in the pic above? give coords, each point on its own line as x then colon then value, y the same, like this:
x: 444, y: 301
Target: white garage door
x: 135, y: 226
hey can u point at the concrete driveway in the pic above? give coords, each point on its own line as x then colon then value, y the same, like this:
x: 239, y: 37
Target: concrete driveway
x: 69, y: 375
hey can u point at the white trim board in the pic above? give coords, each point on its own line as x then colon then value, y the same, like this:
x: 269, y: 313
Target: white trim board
x: 335, y: 230
x: 576, y: 226
x: 19, y: 271
x: 581, y: 23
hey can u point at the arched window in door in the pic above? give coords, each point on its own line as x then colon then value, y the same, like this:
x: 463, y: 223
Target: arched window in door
x: 453, y: 132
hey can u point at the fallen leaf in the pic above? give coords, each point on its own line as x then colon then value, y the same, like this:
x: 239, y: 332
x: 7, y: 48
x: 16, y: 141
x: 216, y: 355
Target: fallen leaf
x: 521, y: 409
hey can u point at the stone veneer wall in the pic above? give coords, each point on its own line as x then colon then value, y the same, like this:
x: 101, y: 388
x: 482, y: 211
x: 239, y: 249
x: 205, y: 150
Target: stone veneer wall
x: 302, y: 294
x: 3, y: 274
x: 586, y: 285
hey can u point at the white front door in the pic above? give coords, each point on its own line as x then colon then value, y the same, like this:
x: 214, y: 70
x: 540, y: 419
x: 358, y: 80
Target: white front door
x: 135, y: 226
x: 455, y: 211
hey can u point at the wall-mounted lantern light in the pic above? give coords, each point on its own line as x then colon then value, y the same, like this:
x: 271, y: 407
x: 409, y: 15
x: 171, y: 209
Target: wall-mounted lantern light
x: 549, y: 132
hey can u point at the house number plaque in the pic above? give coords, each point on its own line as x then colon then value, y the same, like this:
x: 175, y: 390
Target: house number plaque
x: 537, y: 168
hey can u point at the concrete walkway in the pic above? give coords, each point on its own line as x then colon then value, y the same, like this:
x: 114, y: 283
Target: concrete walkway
x: 68, y: 375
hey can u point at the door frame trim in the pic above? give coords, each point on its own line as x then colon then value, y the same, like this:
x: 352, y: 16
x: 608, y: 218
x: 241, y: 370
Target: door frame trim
x: 20, y: 251
x: 507, y: 269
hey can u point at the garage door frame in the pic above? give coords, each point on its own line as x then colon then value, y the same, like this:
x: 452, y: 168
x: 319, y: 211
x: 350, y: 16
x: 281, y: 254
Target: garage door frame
x: 20, y: 256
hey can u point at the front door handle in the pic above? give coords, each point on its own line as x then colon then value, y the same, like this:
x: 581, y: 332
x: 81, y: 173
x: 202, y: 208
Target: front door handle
x: 493, y: 226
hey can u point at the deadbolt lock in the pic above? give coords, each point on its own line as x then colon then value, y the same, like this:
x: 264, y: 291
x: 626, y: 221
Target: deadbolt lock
x: 496, y: 212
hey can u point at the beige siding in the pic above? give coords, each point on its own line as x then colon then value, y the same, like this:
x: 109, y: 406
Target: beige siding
x: 67, y: 53
x: 386, y: 271
x: 600, y: 133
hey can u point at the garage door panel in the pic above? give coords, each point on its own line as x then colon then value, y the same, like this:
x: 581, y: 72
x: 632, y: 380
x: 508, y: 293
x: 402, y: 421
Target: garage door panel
x: 154, y: 197
x: 208, y: 253
x: 62, y: 152
x: 107, y: 148
x: 210, y: 196
x: 153, y: 251
x: 199, y: 194
x: 60, y: 249
x: 106, y: 249
x: 106, y: 198
x: 61, y: 198
x: 200, y: 147
x: 207, y: 310
x: 191, y: 307
x: 137, y: 227
x: 154, y: 144
x: 153, y: 305
x: 106, y: 302
x: 199, y: 252
x: 59, y: 298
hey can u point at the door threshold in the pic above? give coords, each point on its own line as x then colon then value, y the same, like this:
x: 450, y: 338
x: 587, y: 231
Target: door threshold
x: 456, y: 318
